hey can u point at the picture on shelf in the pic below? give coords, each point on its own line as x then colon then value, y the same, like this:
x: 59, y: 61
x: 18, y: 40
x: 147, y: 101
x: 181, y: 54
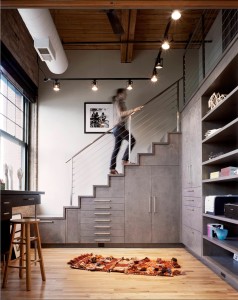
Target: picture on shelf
x: 98, y: 117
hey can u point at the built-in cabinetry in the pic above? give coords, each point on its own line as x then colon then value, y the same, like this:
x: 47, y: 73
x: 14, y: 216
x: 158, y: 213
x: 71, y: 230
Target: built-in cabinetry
x: 152, y: 200
x: 192, y: 177
x: 220, y: 150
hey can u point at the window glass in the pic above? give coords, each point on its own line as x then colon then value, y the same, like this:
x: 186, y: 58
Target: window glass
x: 13, y: 134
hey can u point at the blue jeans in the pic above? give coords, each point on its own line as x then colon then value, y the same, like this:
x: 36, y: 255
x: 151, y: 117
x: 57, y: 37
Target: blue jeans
x: 121, y: 133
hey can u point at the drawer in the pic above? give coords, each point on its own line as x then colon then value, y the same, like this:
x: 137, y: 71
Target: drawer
x: 103, y: 220
x: 101, y: 233
x: 192, y: 217
x: 193, y: 192
x: 192, y: 239
x: 90, y: 239
x: 104, y: 201
x: 22, y: 200
x: 192, y: 201
x: 103, y: 206
x: 6, y: 210
x: 102, y: 227
x: 102, y: 214
x: 52, y: 231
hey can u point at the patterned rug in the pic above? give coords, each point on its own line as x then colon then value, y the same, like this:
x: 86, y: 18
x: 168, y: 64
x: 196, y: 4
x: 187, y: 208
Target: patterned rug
x: 146, y: 266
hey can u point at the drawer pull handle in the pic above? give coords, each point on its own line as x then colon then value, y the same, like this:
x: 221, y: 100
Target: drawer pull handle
x: 102, y: 200
x: 103, y: 207
x: 41, y: 221
x: 29, y: 199
x: 103, y: 220
x: 190, y: 191
x: 102, y: 214
x: 102, y: 226
x: 102, y: 233
x: 6, y: 213
x: 102, y: 240
x: 6, y: 202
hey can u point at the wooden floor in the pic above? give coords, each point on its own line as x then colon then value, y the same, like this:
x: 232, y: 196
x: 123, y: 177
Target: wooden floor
x: 62, y: 282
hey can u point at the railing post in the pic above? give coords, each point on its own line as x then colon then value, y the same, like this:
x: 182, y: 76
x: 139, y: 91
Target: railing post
x: 178, y: 113
x: 71, y: 193
x: 129, y: 142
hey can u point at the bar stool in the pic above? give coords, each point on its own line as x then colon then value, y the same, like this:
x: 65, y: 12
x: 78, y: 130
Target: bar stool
x: 25, y: 256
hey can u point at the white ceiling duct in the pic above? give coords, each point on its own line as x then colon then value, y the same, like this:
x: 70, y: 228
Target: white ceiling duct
x: 46, y: 38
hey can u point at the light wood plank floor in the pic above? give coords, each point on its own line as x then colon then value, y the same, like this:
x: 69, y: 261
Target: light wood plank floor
x: 62, y: 282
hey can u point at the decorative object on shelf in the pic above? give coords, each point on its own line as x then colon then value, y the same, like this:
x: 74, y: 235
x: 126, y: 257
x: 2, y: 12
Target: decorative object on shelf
x: 146, y: 266
x: 2, y: 185
x: 235, y: 256
x: 221, y: 233
x: 231, y: 210
x: 210, y: 132
x: 10, y: 169
x: 211, y: 229
x: 214, y: 204
x: 214, y: 155
x: 20, y: 176
x: 229, y: 171
x: 215, y: 99
x: 6, y: 176
x: 214, y: 175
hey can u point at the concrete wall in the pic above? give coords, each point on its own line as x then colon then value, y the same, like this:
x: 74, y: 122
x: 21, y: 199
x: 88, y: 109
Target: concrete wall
x: 61, y: 114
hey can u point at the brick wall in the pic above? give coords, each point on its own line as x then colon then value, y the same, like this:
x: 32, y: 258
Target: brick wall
x: 17, y: 39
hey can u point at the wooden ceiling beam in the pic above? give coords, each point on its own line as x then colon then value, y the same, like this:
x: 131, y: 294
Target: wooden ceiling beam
x: 124, y: 37
x: 131, y: 34
x: 120, y: 4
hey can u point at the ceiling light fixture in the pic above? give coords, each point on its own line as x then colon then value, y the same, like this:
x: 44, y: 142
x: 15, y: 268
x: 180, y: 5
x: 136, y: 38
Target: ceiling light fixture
x: 94, y: 85
x: 159, y: 63
x: 176, y: 15
x: 165, y: 45
x: 129, y: 85
x: 56, y: 85
x: 154, y: 77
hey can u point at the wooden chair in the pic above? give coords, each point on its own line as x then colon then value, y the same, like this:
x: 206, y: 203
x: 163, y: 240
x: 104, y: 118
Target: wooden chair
x: 24, y: 241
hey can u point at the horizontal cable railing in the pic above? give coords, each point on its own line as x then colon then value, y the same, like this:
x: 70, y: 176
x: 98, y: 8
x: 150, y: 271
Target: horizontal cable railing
x: 215, y: 31
x: 90, y: 165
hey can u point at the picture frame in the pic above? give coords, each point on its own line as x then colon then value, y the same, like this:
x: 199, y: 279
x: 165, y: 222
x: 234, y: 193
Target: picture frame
x: 98, y: 117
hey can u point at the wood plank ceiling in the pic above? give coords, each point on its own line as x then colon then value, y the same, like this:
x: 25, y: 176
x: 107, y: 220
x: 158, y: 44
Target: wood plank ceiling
x: 85, y: 24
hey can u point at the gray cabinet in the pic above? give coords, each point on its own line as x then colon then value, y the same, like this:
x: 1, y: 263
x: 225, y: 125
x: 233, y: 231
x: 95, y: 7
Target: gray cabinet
x: 102, y: 220
x: 72, y: 225
x: 52, y: 230
x: 152, y: 204
x: 192, y: 177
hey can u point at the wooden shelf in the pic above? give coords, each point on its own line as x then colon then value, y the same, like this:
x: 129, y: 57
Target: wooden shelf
x: 221, y: 218
x: 225, y: 178
x: 225, y: 108
x: 224, y: 134
x: 229, y: 157
x: 230, y: 244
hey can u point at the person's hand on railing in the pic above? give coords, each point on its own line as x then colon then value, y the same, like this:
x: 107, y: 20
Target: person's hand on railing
x: 138, y: 108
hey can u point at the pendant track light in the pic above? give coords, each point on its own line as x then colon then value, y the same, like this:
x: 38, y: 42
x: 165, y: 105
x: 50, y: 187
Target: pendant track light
x: 176, y: 15
x: 159, y: 63
x: 56, y: 85
x: 154, y: 77
x: 165, y: 45
x: 94, y: 85
x: 129, y: 85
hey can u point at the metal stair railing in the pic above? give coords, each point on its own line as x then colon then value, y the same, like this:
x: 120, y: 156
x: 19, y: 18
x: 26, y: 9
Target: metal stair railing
x: 160, y: 115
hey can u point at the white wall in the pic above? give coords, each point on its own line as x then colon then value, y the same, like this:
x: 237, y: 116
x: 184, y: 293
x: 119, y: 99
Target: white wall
x: 61, y: 114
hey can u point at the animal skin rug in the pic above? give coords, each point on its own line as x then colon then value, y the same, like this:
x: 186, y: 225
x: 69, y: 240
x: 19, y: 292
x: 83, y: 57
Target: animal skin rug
x: 146, y: 266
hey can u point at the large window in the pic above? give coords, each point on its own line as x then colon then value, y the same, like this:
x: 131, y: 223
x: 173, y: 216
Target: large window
x: 14, y: 114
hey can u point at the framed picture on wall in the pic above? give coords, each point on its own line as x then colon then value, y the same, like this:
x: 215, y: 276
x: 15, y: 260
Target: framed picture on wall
x: 98, y: 117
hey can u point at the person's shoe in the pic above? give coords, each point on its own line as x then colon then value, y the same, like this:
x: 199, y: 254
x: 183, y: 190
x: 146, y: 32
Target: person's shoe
x: 113, y: 172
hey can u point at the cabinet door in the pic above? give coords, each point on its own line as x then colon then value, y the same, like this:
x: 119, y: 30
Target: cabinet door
x: 186, y: 150
x: 195, y: 145
x: 138, y: 204
x: 72, y: 225
x: 165, y: 204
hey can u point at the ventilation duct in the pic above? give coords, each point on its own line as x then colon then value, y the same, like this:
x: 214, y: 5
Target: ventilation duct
x: 46, y: 39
